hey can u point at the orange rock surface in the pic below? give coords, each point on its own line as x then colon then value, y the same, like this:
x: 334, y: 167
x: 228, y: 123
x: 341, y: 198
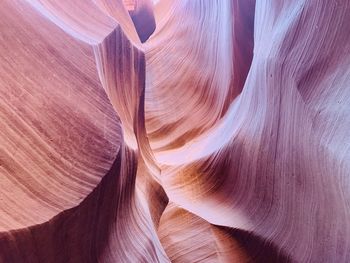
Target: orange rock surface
x: 174, y: 131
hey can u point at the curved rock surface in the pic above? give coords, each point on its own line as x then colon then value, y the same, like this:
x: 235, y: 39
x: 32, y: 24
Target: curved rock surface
x: 174, y: 131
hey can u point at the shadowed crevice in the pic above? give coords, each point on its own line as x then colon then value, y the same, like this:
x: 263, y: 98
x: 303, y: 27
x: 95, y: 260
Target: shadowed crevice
x: 258, y: 249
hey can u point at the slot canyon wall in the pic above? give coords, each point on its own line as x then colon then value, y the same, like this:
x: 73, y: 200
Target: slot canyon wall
x: 175, y: 131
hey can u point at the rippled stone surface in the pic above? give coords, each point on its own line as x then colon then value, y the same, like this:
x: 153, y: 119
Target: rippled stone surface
x: 174, y: 131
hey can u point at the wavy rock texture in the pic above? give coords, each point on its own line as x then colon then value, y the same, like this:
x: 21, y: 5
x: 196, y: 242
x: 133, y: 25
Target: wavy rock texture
x: 175, y: 131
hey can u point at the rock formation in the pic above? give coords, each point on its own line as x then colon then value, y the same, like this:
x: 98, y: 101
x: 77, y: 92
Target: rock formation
x: 175, y: 131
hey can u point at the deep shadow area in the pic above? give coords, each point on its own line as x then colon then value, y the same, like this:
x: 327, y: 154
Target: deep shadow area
x: 258, y: 249
x: 76, y: 235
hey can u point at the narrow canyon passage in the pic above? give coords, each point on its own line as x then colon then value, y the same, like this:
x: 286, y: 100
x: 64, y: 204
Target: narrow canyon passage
x: 174, y: 131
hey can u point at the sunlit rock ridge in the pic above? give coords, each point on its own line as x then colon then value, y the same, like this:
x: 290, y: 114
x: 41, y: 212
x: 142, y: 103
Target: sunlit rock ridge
x: 174, y: 131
